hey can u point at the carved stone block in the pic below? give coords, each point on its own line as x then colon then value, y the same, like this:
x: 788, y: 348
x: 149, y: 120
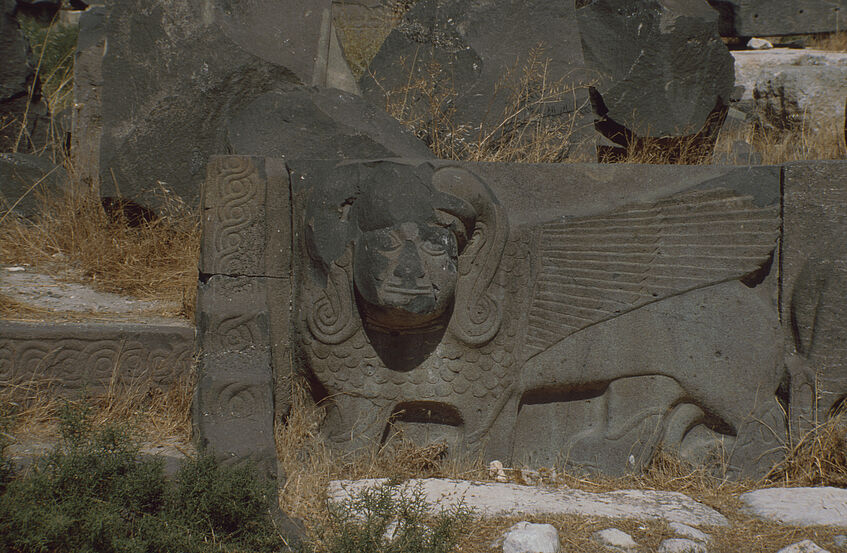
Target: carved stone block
x: 814, y: 310
x: 478, y: 303
x: 243, y: 306
x: 73, y: 358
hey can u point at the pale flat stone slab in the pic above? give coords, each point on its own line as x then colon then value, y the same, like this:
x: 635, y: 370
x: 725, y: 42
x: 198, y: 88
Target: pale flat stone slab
x: 805, y: 546
x: 688, y: 532
x: 681, y: 545
x: 799, y: 506
x: 615, y: 539
x: 490, y: 499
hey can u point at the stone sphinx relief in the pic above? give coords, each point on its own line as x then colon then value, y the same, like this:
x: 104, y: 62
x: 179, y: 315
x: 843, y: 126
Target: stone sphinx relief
x: 423, y: 303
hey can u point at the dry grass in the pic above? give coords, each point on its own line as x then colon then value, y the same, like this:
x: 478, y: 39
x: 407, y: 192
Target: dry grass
x: 310, y: 466
x: 523, y: 132
x: 833, y: 42
x: 154, y: 414
x: 818, y: 459
x: 151, y: 259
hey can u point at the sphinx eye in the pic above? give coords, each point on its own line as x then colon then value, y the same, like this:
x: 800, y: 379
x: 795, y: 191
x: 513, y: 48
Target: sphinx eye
x: 434, y: 247
x: 388, y: 241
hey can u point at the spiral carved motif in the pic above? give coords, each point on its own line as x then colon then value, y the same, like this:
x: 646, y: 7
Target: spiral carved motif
x: 238, y: 186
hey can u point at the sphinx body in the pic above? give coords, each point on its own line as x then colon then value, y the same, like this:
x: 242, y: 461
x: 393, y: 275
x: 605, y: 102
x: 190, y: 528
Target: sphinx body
x: 423, y: 307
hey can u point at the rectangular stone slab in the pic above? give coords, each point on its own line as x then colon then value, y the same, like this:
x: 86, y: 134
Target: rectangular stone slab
x: 245, y: 220
x: 749, y: 18
x: 91, y: 357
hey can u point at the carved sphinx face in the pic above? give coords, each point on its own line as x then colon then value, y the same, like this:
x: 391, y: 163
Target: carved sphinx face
x: 406, y: 274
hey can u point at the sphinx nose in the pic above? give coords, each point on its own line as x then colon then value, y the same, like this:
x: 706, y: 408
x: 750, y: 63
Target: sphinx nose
x: 409, y: 266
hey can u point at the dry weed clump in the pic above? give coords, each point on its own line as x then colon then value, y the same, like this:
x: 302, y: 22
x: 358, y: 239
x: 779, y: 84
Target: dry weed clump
x: 526, y: 131
x: 157, y: 415
x: 818, y: 459
x: 149, y: 258
x: 833, y: 42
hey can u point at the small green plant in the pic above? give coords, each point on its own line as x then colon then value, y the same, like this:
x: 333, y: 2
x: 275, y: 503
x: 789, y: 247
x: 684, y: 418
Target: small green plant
x: 95, y: 493
x: 53, y: 48
x: 388, y: 519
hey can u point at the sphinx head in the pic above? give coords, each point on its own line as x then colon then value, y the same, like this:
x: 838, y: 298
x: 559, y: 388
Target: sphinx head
x: 418, y: 235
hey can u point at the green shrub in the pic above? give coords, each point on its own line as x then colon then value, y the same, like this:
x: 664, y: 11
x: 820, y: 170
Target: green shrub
x: 94, y: 493
x: 390, y: 520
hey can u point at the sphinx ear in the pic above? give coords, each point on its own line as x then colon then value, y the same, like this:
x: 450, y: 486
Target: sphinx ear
x: 477, y: 314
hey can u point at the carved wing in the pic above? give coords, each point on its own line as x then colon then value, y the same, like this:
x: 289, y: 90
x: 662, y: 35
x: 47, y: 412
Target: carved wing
x: 596, y: 268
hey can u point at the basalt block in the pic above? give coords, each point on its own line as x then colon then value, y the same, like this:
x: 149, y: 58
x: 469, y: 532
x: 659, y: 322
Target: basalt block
x: 814, y: 265
x: 77, y: 358
x: 470, y: 56
x: 661, y: 67
x: 746, y: 18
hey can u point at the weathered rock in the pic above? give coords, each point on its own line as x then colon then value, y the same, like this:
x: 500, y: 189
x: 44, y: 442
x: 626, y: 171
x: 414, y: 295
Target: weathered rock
x: 805, y: 546
x: 793, y: 89
x: 688, y: 532
x: 472, y: 47
x: 23, y: 113
x: 799, y: 506
x: 679, y: 545
x: 87, y: 124
x: 814, y: 269
x: 23, y: 178
x: 319, y: 124
x: 662, y: 67
x: 175, y: 72
x: 495, y: 500
x: 526, y: 537
x: 746, y: 18
x: 614, y: 538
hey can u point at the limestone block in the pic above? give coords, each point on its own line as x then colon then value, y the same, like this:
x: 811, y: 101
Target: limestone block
x: 799, y: 506
x: 746, y: 18
x: 805, y: 546
x: 503, y: 500
x: 689, y: 532
x: 793, y: 89
x: 614, y: 538
x: 525, y: 537
x: 680, y: 545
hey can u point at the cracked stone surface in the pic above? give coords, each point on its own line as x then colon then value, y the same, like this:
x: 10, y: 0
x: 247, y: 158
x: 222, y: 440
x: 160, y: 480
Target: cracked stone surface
x: 496, y: 499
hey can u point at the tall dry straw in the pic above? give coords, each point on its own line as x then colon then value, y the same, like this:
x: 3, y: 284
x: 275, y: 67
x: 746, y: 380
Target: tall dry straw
x: 151, y: 258
x: 523, y: 131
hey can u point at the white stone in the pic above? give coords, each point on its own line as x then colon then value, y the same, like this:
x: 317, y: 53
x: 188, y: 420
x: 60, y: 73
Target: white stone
x: 497, y: 472
x: 799, y: 506
x: 681, y: 545
x: 759, y: 44
x: 784, y: 86
x: 489, y: 499
x: 612, y: 537
x: 805, y: 546
x: 691, y: 533
x: 526, y: 537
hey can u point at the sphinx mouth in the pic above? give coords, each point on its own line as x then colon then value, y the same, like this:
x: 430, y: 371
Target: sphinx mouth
x: 412, y: 292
